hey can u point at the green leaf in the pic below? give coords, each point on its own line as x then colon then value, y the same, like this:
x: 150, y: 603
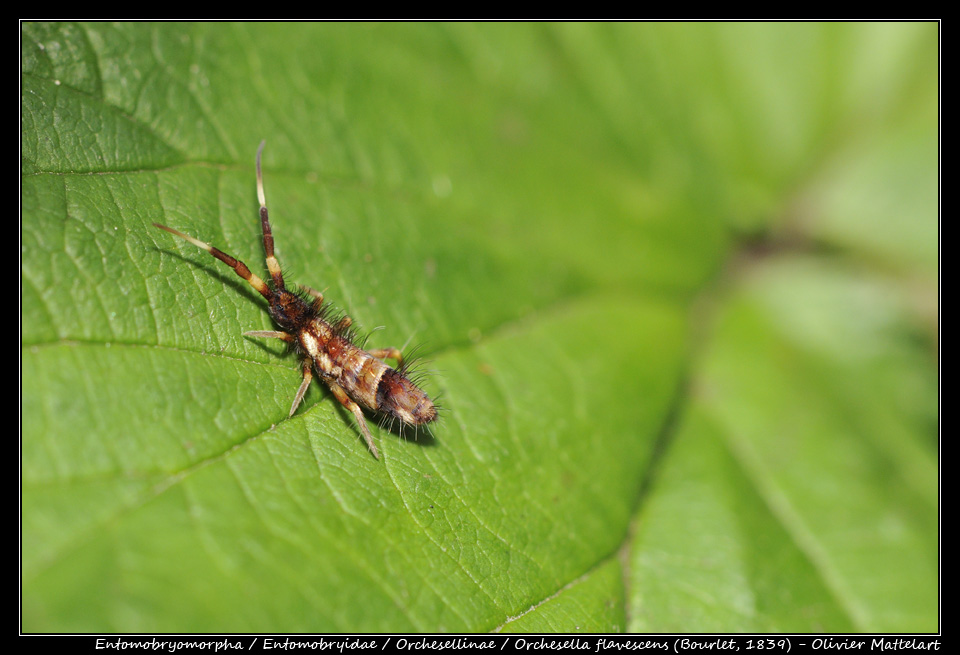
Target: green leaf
x: 593, y: 602
x: 645, y: 426
x: 800, y: 496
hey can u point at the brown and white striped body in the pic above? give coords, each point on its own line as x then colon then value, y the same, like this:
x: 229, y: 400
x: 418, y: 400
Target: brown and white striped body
x: 325, y: 342
x: 363, y: 376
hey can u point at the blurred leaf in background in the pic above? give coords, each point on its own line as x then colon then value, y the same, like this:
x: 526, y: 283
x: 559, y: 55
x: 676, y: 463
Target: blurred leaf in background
x: 675, y: 286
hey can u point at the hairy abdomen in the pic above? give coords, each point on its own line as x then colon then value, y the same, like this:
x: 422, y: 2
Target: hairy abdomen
x: 399, y: 397
x: 378, y: 387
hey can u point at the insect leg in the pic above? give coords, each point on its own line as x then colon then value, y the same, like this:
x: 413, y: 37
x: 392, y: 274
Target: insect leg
x: 307, y: 378
x: 307, y: 371
x: 271, y: 334
x: 387, y: 353
x: 345, y: 400
x: 272, y: 264
x: 238, y: 266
